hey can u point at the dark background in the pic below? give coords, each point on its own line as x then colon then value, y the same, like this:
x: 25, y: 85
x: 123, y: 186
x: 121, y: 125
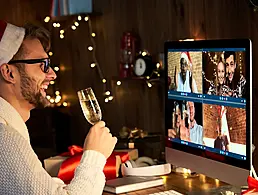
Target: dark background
x: 134, y: 104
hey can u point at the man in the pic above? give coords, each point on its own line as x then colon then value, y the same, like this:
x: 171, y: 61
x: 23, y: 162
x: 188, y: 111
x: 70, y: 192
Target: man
x: 184, y: 79
x: 25, y: 74
x: 193, y: 133
x: 221, y: 142
x: 196, y: 131
x: 237, y: 85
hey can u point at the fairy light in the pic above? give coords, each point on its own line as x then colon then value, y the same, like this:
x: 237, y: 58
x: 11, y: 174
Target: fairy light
x: 57, y: 92
x: 48, y: 97
x: 106, y: 100
x: 50, y: 53
x: 52, y: 100
x: 118, y: 83
x: 91, y: 48
x: 47, y: 19
x: 107, y: 93
x: 147, y: 77
x: 158, y: 65
x: 144, y: 53
x: 110, y: 98
x: 149, y: 85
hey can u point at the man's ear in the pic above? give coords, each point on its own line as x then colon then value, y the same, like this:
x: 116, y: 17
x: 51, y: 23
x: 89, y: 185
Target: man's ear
x: 8, y: 73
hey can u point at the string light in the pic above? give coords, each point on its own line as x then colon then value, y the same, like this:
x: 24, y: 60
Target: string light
x: 144, y: 53
x: 107, y: 92
x: 147, y: 77
x: 48, y: 97
x: 50, y: 53
x: 158, y: 65
x: 106, y: 100
x: 149, y: 84
x: 47, y: 19
x: 91, y: 48
x: 118, y: 82
x: 110, y: 98
x: 57, y: 92
x: 52, y: 100
x: 65, y: 104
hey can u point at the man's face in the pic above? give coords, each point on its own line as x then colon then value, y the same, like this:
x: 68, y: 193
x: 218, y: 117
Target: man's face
x: 231, y: 66
x: 33, y: 81
x: 192, y: 110
x: 221, y: 73
x: 183, y: 66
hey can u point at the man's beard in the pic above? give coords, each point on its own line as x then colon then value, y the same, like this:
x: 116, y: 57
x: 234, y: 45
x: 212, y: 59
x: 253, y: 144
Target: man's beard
x: 30, y: 93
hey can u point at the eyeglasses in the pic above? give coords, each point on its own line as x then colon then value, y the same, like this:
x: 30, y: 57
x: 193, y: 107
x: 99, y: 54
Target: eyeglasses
x: 45, y: 61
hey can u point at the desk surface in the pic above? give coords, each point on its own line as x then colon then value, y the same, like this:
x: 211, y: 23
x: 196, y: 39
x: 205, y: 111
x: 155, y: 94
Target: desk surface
x: 181, y: 184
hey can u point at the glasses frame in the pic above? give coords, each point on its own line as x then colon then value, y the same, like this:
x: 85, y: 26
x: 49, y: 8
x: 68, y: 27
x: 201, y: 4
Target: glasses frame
x: 46, y: 62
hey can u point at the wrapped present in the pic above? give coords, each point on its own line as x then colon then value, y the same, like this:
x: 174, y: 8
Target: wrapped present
x: 64, y: 165
x: 70, y: 7
x: 252, y: 186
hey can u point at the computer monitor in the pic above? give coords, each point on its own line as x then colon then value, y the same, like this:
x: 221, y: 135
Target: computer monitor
x: 209, y: 107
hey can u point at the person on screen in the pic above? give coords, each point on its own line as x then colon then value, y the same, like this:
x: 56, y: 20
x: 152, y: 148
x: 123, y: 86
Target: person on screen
x: 184, y: 79
x: 196, y: 131
x: 234, y: 80
x: 179, y: 129
x: 221, y: 142
x: 219, y: 88
x: 25, y: 74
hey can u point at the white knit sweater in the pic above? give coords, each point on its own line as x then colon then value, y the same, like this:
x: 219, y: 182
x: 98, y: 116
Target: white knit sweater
x: 21, y: 171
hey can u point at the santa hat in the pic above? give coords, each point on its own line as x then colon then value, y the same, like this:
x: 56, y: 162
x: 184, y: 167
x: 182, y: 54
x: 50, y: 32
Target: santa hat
x: 11, y: 38
x: 187, y: 57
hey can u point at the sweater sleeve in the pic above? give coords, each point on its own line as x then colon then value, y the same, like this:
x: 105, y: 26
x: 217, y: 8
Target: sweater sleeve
x: 22, y: 172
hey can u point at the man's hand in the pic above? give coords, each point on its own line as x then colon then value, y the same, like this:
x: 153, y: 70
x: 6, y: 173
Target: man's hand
x: 172, y: 133
x: 100, y: 139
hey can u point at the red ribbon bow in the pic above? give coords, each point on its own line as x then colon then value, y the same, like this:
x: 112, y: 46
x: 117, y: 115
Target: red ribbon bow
x: 252, y: 185
x: 66, y: 171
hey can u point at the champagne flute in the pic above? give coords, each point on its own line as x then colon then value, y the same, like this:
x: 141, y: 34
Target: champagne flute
x: 89, y: 105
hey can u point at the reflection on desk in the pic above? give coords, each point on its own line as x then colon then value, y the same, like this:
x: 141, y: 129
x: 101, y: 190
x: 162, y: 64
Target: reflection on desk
x: 181, y: 183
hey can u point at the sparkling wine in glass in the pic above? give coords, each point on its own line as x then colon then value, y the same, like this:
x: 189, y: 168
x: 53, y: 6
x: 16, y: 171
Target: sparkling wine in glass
x: 89, y: 105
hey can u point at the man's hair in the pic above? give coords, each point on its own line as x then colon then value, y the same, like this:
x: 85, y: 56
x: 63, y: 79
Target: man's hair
x: 33, y: 32
x: 229, y: 53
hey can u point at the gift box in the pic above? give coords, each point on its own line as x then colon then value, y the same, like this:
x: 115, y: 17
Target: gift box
x: 55, y: 165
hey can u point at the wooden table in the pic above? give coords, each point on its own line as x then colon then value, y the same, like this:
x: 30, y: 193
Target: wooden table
x: 180, y: 183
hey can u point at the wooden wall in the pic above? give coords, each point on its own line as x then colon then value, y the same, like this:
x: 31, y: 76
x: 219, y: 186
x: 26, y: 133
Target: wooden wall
x: 154, y: 21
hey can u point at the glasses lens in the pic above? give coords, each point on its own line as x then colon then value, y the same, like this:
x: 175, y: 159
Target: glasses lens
x: 47, y: 65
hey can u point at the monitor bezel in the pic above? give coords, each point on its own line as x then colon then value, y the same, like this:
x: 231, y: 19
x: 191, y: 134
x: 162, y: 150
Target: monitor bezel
x: 221, y: 43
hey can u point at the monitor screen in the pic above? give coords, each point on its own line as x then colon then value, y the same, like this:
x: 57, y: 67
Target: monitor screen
x: 208, y: 100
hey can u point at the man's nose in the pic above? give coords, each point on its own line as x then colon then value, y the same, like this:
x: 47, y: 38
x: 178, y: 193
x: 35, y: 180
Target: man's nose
x: 51, y: 74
